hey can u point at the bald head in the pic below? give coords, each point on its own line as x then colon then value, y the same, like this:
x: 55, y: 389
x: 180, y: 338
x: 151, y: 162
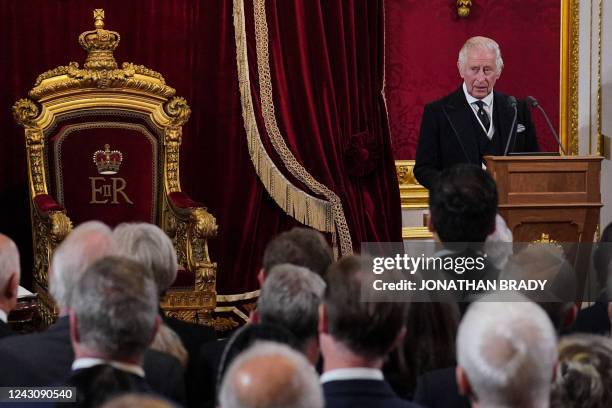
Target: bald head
x: 9, y: 273
x: 271, y: 375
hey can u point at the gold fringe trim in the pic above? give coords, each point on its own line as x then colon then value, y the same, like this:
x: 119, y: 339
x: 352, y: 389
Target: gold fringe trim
x: 278, y: 142
x: 322, y: 214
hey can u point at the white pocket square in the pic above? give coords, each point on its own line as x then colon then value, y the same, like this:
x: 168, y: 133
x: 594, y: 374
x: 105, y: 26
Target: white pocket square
x: 520, y: 128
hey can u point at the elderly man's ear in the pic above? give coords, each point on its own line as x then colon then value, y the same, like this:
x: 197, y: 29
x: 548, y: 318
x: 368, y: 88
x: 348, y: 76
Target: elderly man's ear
x: 463, y: 383
x: 10, y: 290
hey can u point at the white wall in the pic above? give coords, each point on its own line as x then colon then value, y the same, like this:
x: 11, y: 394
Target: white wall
x: 589, y: 80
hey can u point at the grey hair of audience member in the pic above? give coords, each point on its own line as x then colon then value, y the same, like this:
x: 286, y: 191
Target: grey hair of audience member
x: 271, y: 375
x: 87, y: 243
x: 584, y: 372
x: 507, y: 351
x: 9, y: 260
x: 485, y: 43
x: 115, y: 303
x: 498, y: 245
x: 150, y: 245
x: 290, y: 297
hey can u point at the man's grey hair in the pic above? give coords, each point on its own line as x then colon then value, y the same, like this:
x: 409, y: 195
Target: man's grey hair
x: 115, y: 303
x: 483, y: 43
x: 9, y: 260
x: 290, y: 297
x: 149, y: 245
x: 271, y: 375
x: 87, y: 243
x: 508, y: 351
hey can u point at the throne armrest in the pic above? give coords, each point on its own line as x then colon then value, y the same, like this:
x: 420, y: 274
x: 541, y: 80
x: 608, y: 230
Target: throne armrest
x: 53, y: 215
x: 191, y: 225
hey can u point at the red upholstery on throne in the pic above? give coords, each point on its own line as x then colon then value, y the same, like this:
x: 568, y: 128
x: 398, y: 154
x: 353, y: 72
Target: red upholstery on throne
x: 46, y: 203
x: 126, y: 191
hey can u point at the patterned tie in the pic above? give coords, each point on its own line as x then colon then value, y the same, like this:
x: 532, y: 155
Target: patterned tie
x: 483, y: 115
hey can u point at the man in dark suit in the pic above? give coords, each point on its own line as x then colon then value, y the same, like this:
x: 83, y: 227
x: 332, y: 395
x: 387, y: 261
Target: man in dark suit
x: 355, y: 337
x: 44, y: 358
x: 109, y: 352
x: 596, y: 318
x: 474, y: 120
x: 9, y: 282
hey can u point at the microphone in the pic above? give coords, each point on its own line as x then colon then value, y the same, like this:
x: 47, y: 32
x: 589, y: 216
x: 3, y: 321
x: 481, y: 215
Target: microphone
x: 512, y: 103
x: 534, y: 102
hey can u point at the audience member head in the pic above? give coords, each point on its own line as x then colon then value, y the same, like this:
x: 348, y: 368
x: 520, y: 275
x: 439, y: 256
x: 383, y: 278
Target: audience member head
x: 506, y: 353
x: 298, y: 246
x: 149, y: 245
x: 431, y: 329
x: 10, y: 272
x: 131, y: 400
x: 167, y: 341
x: 87, y: 243
x: 114, y: 311
x: 368, y: 330
x: 584, y: 372
x: 248, y: 335
x: 271, y: 375
x: 602, y: 256
x: 463, y: 204
x: 290, y: 297
x: 546, y: 262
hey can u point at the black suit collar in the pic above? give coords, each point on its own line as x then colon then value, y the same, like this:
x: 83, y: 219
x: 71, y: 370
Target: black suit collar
x: 459, y: 113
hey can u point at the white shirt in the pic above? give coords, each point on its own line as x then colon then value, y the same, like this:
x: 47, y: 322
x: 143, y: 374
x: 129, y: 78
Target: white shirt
x: 88, y: 362
x: 359, y: 373
x: 3, y: 316
x: 488, y: 108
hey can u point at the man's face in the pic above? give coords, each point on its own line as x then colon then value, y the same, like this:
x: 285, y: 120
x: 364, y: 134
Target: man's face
x: 480, y: 72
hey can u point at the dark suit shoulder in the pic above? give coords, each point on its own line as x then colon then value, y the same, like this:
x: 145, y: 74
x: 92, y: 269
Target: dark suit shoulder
x: 453, y: 99
x: 5, y: 330
x: 438, y: 389
x: 362, y: 394
x: 165, y: 375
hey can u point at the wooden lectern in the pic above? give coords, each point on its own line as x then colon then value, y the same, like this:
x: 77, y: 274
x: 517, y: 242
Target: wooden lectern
x: 548, y: 198
x: 551, y: 199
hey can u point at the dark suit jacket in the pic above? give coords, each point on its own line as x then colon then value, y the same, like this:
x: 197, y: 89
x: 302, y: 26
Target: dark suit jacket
x: 5, y: 330
x: 438, y: 389
x: 450, y: 134
x: 206, y: 373
x: 362, y: 394
x: 193, y: 337
x: 98, y: 384
x: 593, y: 319
x: 45, y: 358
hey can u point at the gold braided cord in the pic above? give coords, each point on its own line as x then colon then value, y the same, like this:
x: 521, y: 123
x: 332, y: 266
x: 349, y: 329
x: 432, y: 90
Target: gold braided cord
x: 277, y: 140
x: 305, y: 208
x: 309, y: 210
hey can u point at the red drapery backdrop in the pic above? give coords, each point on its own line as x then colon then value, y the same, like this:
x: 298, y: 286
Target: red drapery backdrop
x: 326, y: 64
x: 423, y: 41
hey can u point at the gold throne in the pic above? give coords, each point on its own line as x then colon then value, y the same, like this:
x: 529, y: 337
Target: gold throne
x: 103, y: 143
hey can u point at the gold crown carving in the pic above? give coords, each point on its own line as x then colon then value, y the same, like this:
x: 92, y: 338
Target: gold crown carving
x: 99, y: 44
x: 107, y: 161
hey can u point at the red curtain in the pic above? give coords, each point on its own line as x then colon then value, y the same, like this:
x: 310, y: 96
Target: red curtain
x: 326, y: 60
x: 423, y: 41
